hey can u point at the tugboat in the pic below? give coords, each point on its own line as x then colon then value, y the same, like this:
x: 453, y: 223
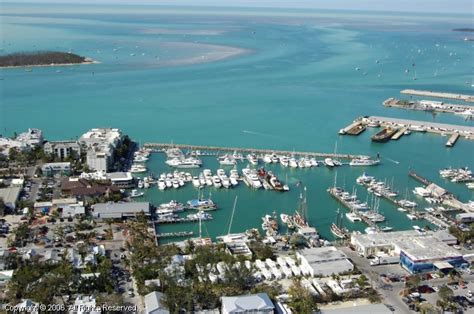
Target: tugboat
x: 337, y: 229
x: 385, y: 135
x: 275, y: 183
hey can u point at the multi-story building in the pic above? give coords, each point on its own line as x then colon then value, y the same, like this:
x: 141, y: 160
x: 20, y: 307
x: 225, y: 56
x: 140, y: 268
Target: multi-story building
x: 101, y: 144
x: 32, y: 137
x: 26, y: 140
x: 63, y: 149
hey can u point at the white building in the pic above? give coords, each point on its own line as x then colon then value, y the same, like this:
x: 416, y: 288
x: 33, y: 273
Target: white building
x: 24, y: 141
x: 254, y: 303
x: 154, y: 304
x: 7, y: 143
x: 101, y: 144
x: 323, y: 261
x: 53, y: 168
x: 10, y: 196
x: 32, y: 137
x: 86, y: 305
x: 419, y: 251
x: 62, y: 149
x: 121, y: 179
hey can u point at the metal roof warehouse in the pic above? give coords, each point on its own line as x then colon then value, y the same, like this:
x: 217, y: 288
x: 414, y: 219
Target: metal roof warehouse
x: 120, y: 210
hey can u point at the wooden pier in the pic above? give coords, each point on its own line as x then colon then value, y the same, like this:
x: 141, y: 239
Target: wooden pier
x: 163, y: 146
x: 414, y: 92
x: 332, y: 191
x: 419, y: 178
x: 452, y: 140
x: 387, y: 197
x: 179, y: 220
x: 179, y: 234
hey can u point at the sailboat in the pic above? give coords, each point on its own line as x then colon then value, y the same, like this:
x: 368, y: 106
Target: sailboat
x: 300, y: 217
x: 201, y: 241
x: 337, y: 229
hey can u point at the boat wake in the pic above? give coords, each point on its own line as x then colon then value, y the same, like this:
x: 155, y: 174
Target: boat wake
x: 257, y: 133
x: 394, y: 161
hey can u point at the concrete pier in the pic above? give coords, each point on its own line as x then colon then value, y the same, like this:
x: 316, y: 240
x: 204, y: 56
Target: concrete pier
x: 399, y: 133
x: 430, y: 106
x: 427, y: 126
x: 452, y: 140
x: 202, y: 148
x: 414, y: 92
x: 354, y: 128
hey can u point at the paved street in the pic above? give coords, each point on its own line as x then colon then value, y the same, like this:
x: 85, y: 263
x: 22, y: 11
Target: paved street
x: 391, y: 292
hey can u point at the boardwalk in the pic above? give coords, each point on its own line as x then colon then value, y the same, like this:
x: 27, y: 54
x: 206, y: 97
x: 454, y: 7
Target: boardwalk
x: 202, y: 148
x: 414, y: 92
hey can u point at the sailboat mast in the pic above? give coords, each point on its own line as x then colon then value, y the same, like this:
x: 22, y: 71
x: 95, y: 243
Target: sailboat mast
x: 232, y: 216
x: 200, y: 227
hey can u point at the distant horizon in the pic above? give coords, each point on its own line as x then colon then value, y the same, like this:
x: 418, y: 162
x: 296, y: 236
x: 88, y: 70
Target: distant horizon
x: 465, y: 7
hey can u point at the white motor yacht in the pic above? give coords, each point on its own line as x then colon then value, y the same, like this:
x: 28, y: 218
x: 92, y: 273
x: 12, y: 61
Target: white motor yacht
x: 135, y: 193
x: 137, y: 168
x: 284, y: 161
x: 292, y: 163
x: 217, y: 182
x: 161, y: 184
x: 267, y: 158
x: 196, y: 182
x: 353, y: 217
x: 252, y: 158
x: 364, y: 161
x: 227, y: 160
x: 225, y: 182
x: 329, y: 162
x: 175, y: 183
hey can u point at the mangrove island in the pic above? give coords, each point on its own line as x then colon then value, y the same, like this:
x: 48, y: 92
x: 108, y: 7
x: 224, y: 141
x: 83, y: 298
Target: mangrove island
x: 41, y: 58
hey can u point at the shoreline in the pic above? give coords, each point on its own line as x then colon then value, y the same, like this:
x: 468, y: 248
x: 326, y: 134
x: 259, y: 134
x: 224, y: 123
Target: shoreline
x: 48, y: 65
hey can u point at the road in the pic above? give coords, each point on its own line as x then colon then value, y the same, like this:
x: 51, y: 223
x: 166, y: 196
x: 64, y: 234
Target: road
x: 390, y: 293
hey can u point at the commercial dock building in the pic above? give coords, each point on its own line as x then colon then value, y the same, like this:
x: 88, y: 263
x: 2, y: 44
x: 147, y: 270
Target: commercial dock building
x: 419, y: 251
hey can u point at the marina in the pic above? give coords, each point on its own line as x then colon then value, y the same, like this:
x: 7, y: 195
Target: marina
x: 216, y: 150
x: 414, y: 92
x: 370, y: 217
x: 421, y: 126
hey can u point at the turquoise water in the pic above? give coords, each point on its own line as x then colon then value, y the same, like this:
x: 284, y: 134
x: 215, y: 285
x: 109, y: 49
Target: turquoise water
x: 293, y: 87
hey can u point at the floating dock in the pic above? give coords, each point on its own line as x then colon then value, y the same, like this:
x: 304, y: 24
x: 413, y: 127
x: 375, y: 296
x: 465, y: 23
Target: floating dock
x: 452, y: 140
x: 399, y: 133
x: 414, y: 92
x: 162, y: 146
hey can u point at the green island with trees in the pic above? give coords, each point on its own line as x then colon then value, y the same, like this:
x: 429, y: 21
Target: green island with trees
x: 38, y: 58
